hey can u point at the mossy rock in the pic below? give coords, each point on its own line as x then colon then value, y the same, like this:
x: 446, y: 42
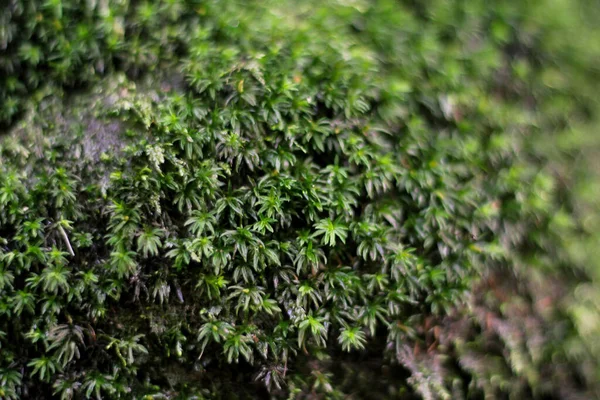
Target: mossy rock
x: 312, y: 200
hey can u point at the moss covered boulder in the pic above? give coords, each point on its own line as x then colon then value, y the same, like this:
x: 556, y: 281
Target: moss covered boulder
x: 334, y: 199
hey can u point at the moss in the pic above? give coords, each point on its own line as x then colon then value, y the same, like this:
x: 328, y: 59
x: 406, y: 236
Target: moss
x: 314, y: 200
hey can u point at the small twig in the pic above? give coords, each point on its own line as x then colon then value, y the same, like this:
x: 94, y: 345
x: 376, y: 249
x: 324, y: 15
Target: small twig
x: 66, y: 239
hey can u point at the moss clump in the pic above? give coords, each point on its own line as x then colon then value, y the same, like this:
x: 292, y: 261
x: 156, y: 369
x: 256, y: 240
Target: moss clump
x: 306, y: 200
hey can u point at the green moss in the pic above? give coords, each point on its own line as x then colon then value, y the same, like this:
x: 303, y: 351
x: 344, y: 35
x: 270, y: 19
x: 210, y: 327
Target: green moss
x: 312, y: 200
